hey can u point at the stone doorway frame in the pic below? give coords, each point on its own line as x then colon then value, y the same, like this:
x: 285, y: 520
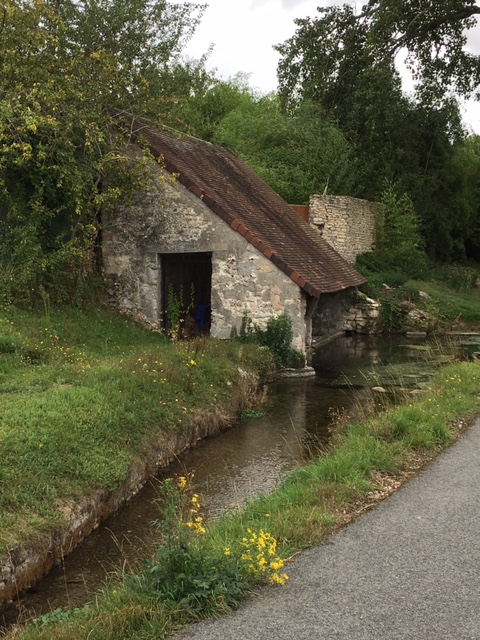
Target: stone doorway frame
x: 189, y: 276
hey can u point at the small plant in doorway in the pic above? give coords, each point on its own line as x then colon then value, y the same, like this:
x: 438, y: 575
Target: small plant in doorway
x: 177, y: 310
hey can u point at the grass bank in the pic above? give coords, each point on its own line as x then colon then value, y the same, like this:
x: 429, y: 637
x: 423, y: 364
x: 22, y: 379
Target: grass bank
x: 366, y: 461
x: 87, y: 393
x: 447, y: 297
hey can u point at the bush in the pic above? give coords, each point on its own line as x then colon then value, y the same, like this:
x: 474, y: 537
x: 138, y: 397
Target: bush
x: 378, y: 271
x: 401, y: 252
x: 277, y: 337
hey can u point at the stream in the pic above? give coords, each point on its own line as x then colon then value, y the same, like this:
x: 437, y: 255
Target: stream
x: 242, y: 462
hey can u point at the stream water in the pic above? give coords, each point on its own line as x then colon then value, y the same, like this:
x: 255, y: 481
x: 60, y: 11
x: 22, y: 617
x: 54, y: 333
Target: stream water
x: 248, y: 459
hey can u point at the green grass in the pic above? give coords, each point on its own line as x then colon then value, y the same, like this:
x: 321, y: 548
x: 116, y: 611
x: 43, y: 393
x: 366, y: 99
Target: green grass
x: 310, y: 504
x: 462, y: 304
x: 85, y: 393
x: 453, y: 300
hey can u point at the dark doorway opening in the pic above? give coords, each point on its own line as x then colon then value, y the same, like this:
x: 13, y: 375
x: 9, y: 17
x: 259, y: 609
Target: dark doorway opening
x: 186, y: 287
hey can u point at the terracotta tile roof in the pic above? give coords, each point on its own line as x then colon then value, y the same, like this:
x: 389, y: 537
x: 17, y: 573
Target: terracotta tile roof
x: 252, y: 208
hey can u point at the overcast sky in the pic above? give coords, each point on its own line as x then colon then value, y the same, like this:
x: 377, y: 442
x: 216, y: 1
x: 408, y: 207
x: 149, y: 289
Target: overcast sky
x: 243, y: 33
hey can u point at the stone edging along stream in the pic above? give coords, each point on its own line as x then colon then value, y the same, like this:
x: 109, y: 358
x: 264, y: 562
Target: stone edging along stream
x: 29, y: 563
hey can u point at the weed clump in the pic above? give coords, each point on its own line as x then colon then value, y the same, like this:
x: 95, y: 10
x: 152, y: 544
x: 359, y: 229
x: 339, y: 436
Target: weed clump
x: 276, y: 337
x: 188, y: 572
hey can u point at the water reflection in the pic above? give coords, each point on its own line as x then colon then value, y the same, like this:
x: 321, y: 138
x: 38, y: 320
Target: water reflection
x: 255, y: 455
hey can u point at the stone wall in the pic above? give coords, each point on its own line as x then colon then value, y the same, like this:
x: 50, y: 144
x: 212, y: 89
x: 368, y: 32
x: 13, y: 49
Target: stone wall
x: 349, y: 311
x: 168, y: 218
x: 349, y: 225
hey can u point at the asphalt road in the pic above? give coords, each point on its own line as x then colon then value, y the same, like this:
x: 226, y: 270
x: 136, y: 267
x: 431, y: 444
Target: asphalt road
x: 409, y: 568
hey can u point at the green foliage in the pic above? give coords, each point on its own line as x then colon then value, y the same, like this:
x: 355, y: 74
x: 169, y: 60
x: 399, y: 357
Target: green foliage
x: 327, y: 62
x: 248, y: 414
x: 400, y: 255
x: 372, y: 266
x: 400, y: 243
x: 195, y: 580
x: 276, y: 337
x: 189, y: 574
x: 458, y: 307
x: 444, y: 183
x: 371, y: 35
x: 297, y: 152
x: 393, y: 313
x: 434, y: 35
x: 459, y: 277
x: 183, y: 571
x: 248, y: 331
x: 9, y: 344
x: 57, y: 617
x: 206, y: 109
x: 65, y: 71
x: 450, y: 296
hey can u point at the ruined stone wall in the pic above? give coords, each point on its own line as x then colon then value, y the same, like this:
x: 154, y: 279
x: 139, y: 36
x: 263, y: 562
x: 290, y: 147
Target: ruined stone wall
x: 170, y: 219
x: 349, y: 225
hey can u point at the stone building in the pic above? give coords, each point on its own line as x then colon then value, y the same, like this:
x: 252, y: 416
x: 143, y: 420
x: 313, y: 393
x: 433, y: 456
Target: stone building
x: 219, y: 238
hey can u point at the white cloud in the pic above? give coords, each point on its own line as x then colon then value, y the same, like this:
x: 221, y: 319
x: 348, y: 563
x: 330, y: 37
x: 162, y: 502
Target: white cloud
x: 243, y: 34
x: 286, y: 4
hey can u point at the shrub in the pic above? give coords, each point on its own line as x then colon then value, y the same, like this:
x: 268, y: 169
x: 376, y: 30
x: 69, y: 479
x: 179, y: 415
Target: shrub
x: 277, y: 337
x: 401, y: 252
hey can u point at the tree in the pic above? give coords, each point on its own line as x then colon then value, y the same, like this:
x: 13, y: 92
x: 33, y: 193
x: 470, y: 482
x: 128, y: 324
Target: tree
x: 298, y: 153
x: 328, y: 62
x: 467, y: 165
x: 432, y: 33
x: 205, y: 110
x: 66, y: 68
x: 345, y: 63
